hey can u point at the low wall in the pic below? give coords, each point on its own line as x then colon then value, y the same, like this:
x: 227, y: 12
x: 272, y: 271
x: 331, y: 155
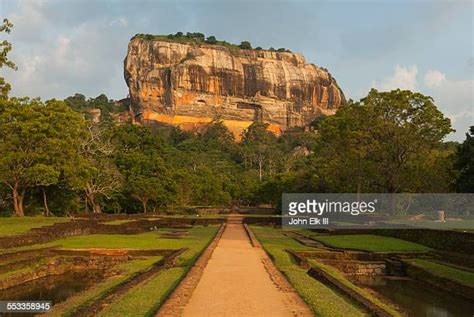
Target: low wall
x: 327, y: 279
x: 448, y: 240
x: 420, y: 274
x: 91, y: 226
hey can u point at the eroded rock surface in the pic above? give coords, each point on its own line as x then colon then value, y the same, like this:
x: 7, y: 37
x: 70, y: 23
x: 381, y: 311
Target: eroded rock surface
x: 190, y: 84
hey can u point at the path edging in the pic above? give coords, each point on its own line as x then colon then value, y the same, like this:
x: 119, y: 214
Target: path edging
x: 279, y: 279
x: 177, y: 300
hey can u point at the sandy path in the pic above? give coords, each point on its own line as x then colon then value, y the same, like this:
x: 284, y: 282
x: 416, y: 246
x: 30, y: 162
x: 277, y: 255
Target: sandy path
x: 235, y: 282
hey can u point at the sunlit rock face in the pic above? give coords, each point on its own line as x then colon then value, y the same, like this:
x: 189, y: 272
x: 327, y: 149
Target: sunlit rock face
x: 189, y: 84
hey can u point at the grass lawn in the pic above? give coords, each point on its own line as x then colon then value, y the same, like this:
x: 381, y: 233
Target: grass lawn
x: 117, y: 222
x: 127, y: 269
x: 465, y: 224
x: 372, y: 243
x: 323, y: 300
x: 149, y: 240
x: 17, y: 225
x: 146, y: 298
x: 457, y: 275
x: 143, y: 299
x: 337, y: 275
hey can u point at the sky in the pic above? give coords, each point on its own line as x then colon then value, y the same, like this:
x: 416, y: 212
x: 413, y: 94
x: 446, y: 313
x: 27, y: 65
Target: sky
x: 65, y: 47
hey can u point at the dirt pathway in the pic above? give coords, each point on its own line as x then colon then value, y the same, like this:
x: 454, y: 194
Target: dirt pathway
x: 236, y: 283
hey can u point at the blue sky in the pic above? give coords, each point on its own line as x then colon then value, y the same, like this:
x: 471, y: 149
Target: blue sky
x: 69, y: 46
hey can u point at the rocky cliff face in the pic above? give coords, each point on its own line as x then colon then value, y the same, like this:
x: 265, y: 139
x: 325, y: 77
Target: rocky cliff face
x: 191, y: 84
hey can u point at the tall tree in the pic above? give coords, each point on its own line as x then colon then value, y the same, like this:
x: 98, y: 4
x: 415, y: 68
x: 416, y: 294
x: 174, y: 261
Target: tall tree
x: 259, y: 148
x: 97, y: 174
x: 140, y: 159
x: 38, y: 142
x: 465, y: 164
x: 379, y: 143
x: 5, y: 48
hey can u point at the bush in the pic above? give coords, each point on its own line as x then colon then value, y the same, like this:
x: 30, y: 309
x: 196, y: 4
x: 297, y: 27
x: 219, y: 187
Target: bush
x: 245, y: 45
x: 211, y: 40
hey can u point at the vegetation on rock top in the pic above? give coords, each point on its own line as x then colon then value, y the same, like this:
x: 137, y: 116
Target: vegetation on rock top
x: 200, y: 38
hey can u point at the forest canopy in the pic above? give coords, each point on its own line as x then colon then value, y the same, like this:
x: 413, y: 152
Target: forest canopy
x: 57, y: 160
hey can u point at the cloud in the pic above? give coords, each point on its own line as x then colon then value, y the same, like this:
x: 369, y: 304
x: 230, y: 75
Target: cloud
x: 434, y: 78
x: 455, y: 98
x: 403, y: 78
x: 75, y: 54
x: 64, y: 47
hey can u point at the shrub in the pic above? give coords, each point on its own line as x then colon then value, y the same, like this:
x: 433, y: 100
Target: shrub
x: 245, y: 45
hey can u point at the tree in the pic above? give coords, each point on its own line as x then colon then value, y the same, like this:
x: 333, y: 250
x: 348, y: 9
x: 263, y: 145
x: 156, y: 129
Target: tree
x: 97, y: 174
x: 379, y: 143
x: 216, y: 132
x: 79, y: 103
x: 5, y: 48
x: 245, y: 45
x: 259, y: 148
x: 43, y: 176
x: 38, y: 142
x: 140, y: 159
x: 211, y: 40
x: 147, y: 177
x: 464, y: 164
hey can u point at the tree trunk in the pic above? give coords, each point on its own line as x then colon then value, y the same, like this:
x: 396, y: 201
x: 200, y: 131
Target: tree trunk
x: 260, y: 167
x: 93, y: 200
x: 144, y: 203
x: 86, y: 202
x: 18, y: 201
x: 95, y: 205
x: 45, y: 201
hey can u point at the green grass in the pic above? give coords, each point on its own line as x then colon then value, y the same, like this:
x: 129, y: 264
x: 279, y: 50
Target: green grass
x: 17, y: 225
x: 118, y: 222
x: 26, y: 268
x: 372, y: 243
x: 127, y: 269
x: 149, y: 240
x: 337, y: 275
x: 451, y: 273
x: 465, y: 224
x: 323, y: 300
x: 146, y: 298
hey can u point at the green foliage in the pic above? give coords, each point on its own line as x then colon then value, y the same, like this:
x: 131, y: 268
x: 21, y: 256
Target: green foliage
x: 211, y: 40
x: 198, y: 38
x: 148, y: 177
x: 381, y: 142
x: 56, y: 161
x: 259, y: 149
x: 464, y: 164
x: 245, y: 45
x: 5, y: 48
x: 107, y: 107
x: 39, y: 142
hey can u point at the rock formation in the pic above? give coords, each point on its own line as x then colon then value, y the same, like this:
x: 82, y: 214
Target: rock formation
x: 188, y: 84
